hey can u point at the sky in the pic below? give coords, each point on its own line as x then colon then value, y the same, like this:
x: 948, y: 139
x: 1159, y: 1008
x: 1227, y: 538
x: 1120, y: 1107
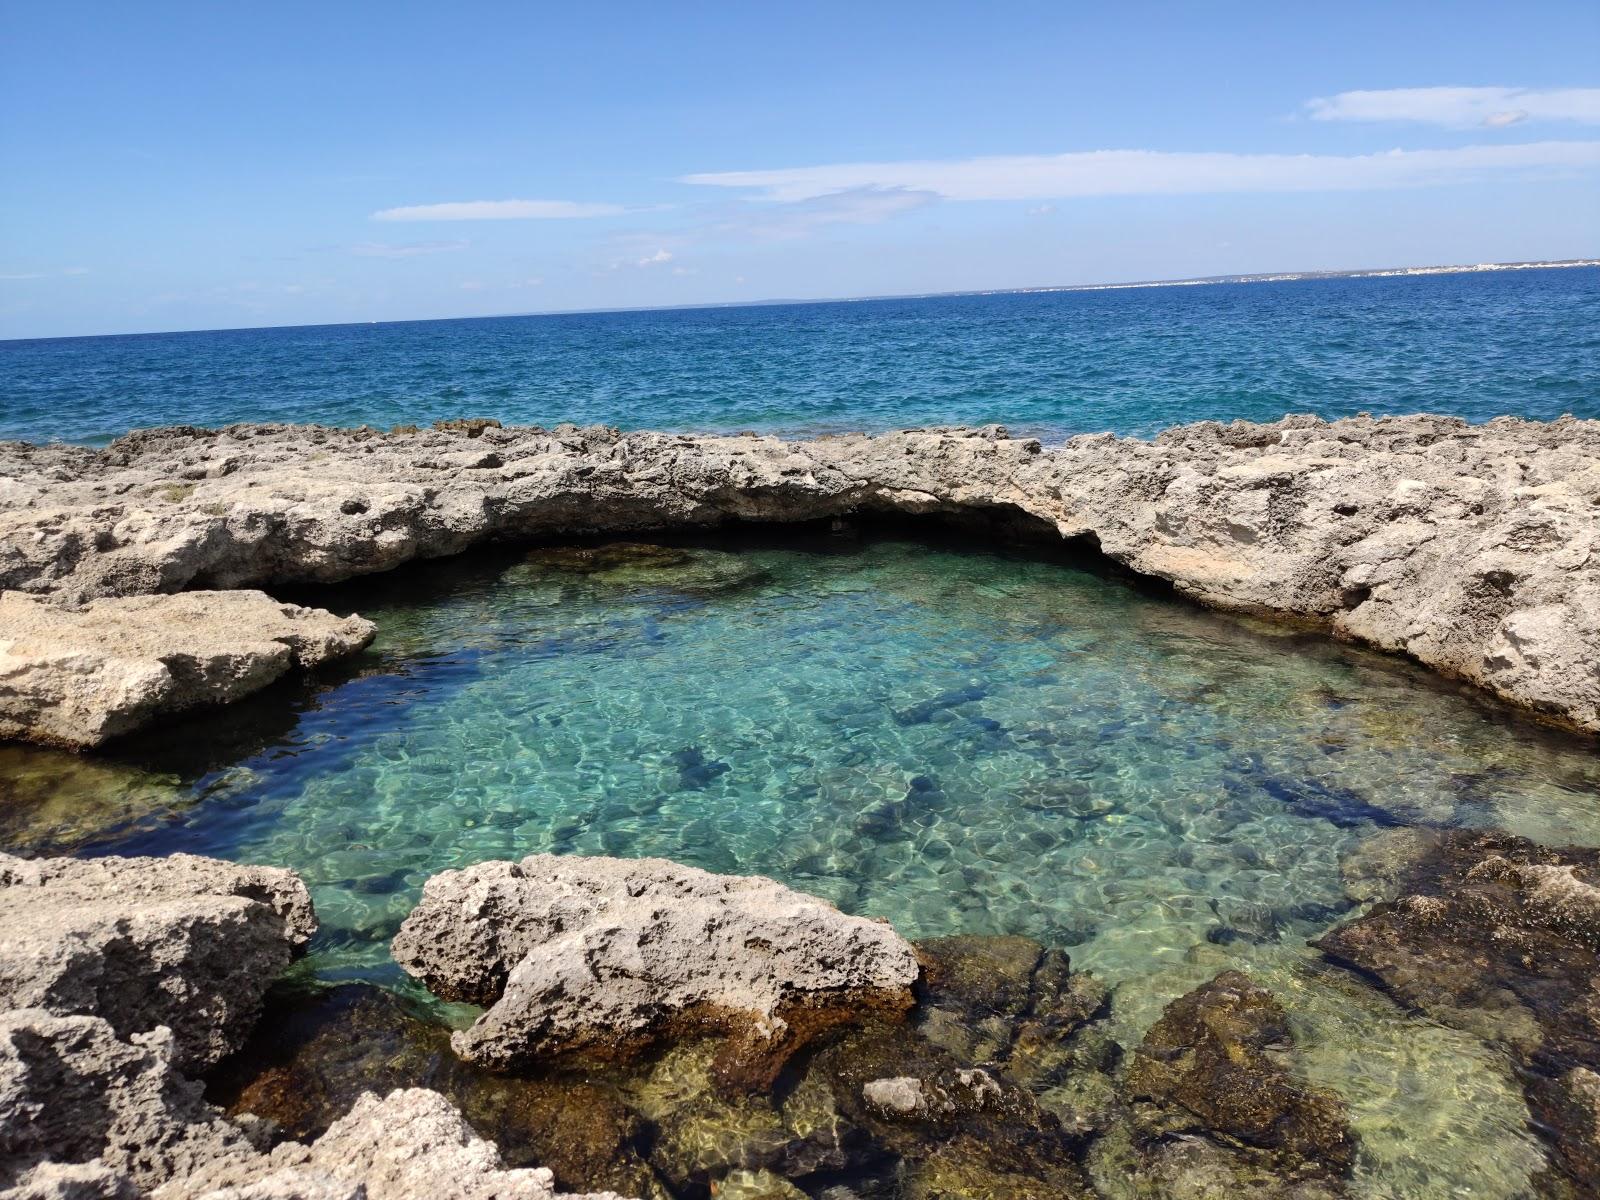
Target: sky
x: 184, y: 166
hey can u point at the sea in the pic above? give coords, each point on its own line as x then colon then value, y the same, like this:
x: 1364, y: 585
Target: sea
x: 1050, y: 364
x: 958, y: 738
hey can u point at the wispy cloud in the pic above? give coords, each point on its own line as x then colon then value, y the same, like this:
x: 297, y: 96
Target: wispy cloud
x: 796, y: 217
x: 1152, y: 172
x: 1462, y: 107
x: 17, y: 276
x: 406, y: 249
x: 654, y: 260
x: 498, y: 210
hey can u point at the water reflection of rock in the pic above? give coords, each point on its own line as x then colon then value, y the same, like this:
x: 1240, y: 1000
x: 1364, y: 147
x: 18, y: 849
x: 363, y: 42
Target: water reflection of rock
x: 53, y: 802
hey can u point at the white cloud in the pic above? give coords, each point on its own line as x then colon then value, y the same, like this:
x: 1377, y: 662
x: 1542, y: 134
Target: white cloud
x: 471, y: 285
x: 497, y: 210
x: 651, y: 260
x: 406, y: 249
x: 799, y: 215
x: 25, y: 275
x: 1462, y: 107
x: 1151, y: 172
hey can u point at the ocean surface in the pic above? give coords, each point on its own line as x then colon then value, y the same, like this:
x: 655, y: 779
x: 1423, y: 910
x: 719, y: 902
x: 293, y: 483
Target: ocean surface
x: 956, y: 739
x: 1049, y: 364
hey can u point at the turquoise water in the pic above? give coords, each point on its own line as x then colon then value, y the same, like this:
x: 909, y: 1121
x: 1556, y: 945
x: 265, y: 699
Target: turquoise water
x: 957, y: 741
x: 1130, y: 361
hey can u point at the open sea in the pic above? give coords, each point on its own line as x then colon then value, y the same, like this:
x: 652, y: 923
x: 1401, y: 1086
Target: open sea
x: 956, y: 739
x: 1049, y: 364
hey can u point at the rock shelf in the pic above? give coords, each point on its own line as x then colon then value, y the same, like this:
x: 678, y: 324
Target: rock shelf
x: 1474, y: 549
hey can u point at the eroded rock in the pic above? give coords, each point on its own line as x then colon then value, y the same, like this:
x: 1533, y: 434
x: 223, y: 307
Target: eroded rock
x: 184, y: 942
x: 1471, y: 548
x: 602, y: 955
x: 77, y: 677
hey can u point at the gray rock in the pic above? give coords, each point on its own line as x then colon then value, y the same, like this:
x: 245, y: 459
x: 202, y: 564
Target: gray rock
x: 605, y: 954
x: 1471, y: 548
x: 86, y: 1114
x: 83, y: 1109
x: 184, y: 942
x: 76, y: 677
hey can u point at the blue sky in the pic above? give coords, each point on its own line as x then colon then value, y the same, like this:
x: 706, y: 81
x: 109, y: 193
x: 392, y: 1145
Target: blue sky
x: 181, y: 166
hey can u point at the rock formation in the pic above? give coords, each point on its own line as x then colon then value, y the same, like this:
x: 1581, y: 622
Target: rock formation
x: 187, y: 943
x: 601, y: 954
x: 1472, y: 548
x: 77, y: 676
x: 1499, y: 936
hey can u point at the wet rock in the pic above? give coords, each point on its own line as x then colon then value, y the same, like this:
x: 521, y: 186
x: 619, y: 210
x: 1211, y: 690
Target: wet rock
x: 1470, y: 548
x: 183, y: 942
x: 605, y: 955
x: 315, y: 1053
x: 1209, y: 1069
x: 77, y: 677
x: 1011, y: 1003
x: 1501, y: 937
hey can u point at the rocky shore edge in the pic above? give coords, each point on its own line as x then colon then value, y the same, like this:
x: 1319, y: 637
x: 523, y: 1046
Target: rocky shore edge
x: 130, y: 577
x: 727, y: 1036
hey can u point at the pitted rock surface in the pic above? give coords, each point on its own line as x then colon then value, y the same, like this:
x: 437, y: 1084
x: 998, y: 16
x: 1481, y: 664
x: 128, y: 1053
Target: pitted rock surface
x: 85, y: 1113
x: 573, y: 953
x: 78, y: 676
x: 1473, y: 548
x: 184, y: 942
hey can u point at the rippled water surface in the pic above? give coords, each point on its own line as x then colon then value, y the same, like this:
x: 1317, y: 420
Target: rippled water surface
x: 956, y: 741
x: 1130, y: 361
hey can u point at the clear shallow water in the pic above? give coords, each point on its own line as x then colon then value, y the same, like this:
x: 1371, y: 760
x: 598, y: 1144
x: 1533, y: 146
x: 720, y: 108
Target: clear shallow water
x: 1130, y: 361
x: 958, y: 742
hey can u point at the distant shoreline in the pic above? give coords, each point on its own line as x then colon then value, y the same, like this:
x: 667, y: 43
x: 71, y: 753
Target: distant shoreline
x: 779, y: 301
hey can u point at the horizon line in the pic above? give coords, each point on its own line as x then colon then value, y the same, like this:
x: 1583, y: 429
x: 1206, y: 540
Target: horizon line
x: 1190, y: 281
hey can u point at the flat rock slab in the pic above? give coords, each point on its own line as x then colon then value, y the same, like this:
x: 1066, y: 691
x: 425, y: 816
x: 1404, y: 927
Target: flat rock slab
x: 606, y: 954
x: 184, y: 942
x: 76, y: 677
x: 1474, y: 549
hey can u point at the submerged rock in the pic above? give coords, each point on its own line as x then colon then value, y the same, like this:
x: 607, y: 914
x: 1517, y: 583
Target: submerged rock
x: 1470, y: 548
x: 188, y: 943
x: 605, y: 955
x: 1208, y: 1070
x: 77, y: 677
x: 1499, y: 936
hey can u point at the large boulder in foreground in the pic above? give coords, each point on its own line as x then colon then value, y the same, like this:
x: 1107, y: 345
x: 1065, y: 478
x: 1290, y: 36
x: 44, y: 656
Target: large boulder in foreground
x: 184, y: 942
x: 605, y: 954
x: 77, y: 677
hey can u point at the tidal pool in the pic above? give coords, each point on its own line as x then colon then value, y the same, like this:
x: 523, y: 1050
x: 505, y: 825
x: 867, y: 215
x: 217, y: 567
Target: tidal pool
x: 956, y: 740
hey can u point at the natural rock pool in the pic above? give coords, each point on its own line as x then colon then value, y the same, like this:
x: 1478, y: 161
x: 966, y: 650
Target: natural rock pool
x: 956, y: 740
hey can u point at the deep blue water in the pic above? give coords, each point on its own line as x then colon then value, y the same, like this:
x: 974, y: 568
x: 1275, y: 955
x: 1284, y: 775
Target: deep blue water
x: 1131, y: 361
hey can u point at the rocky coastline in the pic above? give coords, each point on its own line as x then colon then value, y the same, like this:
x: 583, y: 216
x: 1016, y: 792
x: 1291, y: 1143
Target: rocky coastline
x: 1473, y: 549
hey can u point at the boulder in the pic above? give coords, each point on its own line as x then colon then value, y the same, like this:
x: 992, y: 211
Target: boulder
x: 79, y: 676
x: 605, y: 955
x: 184, y: 942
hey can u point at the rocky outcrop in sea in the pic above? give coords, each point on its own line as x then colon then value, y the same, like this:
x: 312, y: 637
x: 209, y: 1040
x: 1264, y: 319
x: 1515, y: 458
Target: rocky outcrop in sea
x: 1474, y: 549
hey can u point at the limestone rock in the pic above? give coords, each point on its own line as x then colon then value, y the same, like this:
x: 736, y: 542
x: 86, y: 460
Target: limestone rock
x: 1204, y: 1070
x: 184, y: 942
x: 82, y: 1109
x: 604, y: 954
x: 1474, y: 549
x: 77, y: 677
